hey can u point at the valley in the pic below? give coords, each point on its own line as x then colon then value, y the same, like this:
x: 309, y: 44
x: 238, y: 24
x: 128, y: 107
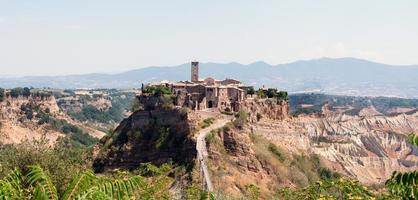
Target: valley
x: 268, y: 146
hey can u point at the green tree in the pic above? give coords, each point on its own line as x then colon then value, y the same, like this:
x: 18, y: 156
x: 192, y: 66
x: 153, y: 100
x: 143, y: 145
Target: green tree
x: 16, y: 92
x: 251, y: 91
x: 271, y: 93
x: 282, y: 95
x: 261, y: 94
x: 157, y: 90
x: 26, y: 92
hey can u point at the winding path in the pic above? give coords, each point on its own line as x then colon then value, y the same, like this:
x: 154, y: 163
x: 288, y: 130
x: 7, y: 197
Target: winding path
x: 202, y: 152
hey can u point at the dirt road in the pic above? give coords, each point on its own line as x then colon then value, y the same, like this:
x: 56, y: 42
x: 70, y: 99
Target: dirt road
x: 202, y: 152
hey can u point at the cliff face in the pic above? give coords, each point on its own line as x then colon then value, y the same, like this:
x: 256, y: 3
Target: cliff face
x: 32, y: 117
x: 368, y: 147
x: 15, y: 125
x: 275, y: 109
x: 158, y: 136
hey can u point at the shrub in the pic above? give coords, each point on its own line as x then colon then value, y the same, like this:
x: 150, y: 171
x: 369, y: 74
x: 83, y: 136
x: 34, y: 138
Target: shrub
x: 308, y: 165
x: 328, y: 189
x: 271, y: 92
x: 157, y: 90
x: 241, y: 119
x: 207, y: 122
x: 61, y: 161
x: 282, y: 95
x: 259, y: 116
x: 325, y: 174
x: 275, y: 150
x: 210, y: 137
x: 2, y: 95
x: 43, y: 118
x: 252, y: 192
x: 195, y: 192
x: 261, y: 94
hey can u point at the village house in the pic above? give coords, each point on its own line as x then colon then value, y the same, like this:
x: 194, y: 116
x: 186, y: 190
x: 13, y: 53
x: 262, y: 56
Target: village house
x: 208, y: 93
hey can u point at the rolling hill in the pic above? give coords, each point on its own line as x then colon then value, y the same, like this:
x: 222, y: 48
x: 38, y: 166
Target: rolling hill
x: 343, y: 76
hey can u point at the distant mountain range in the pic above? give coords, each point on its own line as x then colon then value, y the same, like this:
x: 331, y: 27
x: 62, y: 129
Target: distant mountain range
x: 344, y: 76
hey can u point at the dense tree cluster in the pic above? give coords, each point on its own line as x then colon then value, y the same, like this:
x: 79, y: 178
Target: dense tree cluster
x: 19, y: 91
x: 157, y: 90
x: 272, y: 93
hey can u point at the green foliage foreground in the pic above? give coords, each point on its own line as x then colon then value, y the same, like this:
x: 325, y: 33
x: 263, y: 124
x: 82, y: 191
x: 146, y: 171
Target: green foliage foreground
x: 328, y: 189
x: 36, y: 184
x: 405, y: 184
x: 35, y: 170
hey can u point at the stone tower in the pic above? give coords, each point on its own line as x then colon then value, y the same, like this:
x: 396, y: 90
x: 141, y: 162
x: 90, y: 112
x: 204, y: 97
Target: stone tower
x: 195, y: 71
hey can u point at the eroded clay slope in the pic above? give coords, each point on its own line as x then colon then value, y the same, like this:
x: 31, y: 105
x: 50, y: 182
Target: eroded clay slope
x: 368, y: 148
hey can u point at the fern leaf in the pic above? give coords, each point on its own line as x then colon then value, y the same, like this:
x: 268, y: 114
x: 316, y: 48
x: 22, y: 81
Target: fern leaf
x: 42, y: 182
x: 93, y: 194
x: 121, y: 189
x: 10, y: 186
x: 80, y: 185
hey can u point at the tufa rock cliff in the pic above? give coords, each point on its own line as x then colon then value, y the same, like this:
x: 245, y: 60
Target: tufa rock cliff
x: 271, y: 108
x: 158, y: 134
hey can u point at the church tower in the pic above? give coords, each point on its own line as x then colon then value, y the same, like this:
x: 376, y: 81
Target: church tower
x: 195, y: 71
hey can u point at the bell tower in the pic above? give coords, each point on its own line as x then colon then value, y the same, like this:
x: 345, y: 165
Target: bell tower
x: 195, y: 71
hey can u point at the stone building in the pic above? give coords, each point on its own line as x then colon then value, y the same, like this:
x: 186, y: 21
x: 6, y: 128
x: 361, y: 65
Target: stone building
x: 208, y: 93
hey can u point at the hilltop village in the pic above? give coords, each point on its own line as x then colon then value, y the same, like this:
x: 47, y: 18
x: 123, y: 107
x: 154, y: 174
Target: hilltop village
x: 209, y: 93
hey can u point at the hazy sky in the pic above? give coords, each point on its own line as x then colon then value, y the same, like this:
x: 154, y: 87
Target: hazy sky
x: 39, y: 37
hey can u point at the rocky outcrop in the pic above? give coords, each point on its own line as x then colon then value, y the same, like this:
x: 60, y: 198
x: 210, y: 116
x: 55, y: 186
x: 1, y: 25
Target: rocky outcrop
x: 157, y: 135
x: 271, y: 108
x: 14, y: 125
x: 238, y: 145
